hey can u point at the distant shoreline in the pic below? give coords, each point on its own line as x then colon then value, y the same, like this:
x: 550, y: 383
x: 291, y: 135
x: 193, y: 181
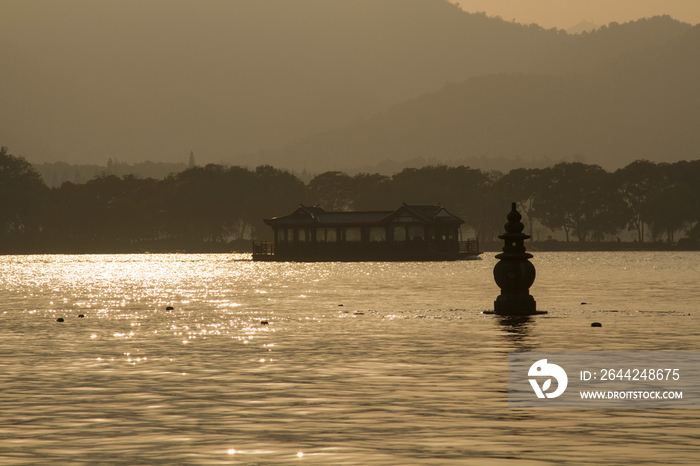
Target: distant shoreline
x: 244, y: 247
x: 592, y: 246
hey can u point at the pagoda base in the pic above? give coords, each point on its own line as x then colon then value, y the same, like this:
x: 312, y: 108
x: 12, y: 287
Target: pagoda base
x: 516, y: 305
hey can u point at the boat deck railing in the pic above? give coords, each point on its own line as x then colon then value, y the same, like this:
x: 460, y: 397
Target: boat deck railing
x: 470, y: 245
x: 263, y: 248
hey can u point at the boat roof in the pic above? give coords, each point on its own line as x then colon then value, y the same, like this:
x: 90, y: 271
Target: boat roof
x: 304, y: 215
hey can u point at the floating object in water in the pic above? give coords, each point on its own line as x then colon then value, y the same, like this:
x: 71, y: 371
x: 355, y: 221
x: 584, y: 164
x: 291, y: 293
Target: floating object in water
x: 583, y: 304
x: 81, y: 315
x: 340, y: 305
x: 169, y: 308
x: 596, y: 324
x: 359, y: 313
x: 263, y: 322
x: 60, y: 319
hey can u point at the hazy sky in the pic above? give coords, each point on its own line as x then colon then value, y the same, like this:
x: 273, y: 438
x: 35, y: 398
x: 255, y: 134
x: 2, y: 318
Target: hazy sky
x: 564, y: 14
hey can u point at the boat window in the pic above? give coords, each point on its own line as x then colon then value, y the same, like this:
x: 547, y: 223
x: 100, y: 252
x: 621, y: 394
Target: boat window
x: 290, y: 235
x: 399, y: 234
x: 431, y: 234
x: 321, y: 235
x: 377, y: 234
x: 280, y: 236
x: 450, y: 233
x: 353, y: 234
x: 416, y: 232
x: 331, y: 235
x: 302, y: 235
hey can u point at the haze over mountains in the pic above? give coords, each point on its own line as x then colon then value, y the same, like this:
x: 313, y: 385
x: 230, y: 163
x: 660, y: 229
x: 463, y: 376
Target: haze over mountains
x: 338, y: 84
x: 644, y: 105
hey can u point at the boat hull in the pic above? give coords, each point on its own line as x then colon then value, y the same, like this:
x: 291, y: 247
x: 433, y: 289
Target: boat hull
x: 363, y: 253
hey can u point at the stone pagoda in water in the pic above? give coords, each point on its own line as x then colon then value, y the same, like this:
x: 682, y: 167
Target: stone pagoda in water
x: 514, y: 273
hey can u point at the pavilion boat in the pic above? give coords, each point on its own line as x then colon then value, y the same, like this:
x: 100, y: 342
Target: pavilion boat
x: 411, y: 233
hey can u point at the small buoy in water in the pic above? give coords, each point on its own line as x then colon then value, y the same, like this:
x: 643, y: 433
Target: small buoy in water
x: 596, y: 324
x: 169, y: 308
x: 263, y: 322
x: 340, y: 305
x: 60, y: 319
x: 81, y: 315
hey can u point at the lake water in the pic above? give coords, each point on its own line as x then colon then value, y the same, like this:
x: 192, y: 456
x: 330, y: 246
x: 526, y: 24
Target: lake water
x: 359, y: 363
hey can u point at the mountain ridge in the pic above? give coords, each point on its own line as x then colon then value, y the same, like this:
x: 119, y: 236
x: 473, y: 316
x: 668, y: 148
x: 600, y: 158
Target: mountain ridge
x: 642, y: 105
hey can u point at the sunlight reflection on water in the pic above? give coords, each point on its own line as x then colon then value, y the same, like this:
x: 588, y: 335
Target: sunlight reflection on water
x: 356, y: 363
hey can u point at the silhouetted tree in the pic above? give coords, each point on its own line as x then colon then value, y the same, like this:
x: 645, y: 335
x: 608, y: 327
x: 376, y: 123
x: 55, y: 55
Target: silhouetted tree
x: 371, y: 192
x: 460, y: 188
x: 581, y: 200
x: 332, y: 190
x: 104, y: 212
x: 521, y: 185
x: 491, y: 207
x: 635, y: 183
x: 670, y: 209
x: 23, y: 197
x: 199, y: 204
x: 685, y: 172
x: 277, y: 192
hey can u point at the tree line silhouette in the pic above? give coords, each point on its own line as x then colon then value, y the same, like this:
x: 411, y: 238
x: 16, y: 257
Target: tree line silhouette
x: 216, y: 207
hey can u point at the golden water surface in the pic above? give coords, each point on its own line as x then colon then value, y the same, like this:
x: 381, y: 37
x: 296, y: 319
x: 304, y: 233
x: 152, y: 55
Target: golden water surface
x: 357, y: 363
